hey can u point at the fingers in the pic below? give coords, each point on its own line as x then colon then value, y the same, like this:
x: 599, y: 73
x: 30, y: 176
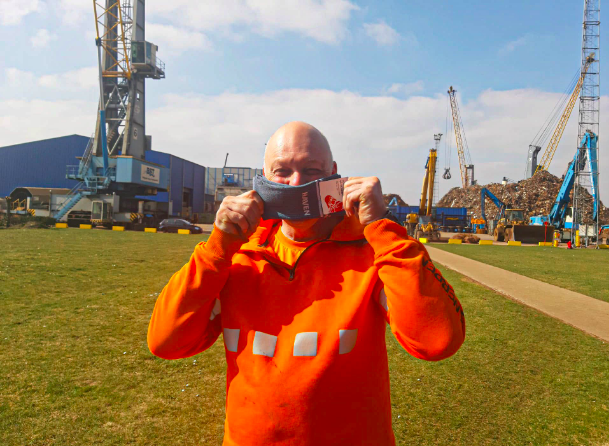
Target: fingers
x: 240, y: 214
x: 363, y: 197
x: 249, y: 210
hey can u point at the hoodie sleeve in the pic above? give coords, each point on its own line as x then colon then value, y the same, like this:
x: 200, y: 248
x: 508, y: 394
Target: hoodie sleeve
x: 185, y: 319
x: 425, y: 316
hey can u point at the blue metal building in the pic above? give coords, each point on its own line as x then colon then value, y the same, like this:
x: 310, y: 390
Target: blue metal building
x: 186, y: 194
x: 43, y: 164
x: 39, y: 163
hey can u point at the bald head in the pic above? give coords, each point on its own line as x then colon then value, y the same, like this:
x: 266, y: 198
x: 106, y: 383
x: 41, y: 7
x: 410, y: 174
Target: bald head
x: 298, y: 153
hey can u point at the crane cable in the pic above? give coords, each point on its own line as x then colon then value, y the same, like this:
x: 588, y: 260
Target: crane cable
x: 447, y: 145
x: 551, y: 121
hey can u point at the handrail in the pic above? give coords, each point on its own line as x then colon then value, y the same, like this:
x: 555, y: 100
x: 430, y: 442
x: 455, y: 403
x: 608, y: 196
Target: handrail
x: 86, y: 159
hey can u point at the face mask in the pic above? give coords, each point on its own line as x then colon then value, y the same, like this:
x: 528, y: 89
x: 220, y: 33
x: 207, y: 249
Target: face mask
x: 282, y: 201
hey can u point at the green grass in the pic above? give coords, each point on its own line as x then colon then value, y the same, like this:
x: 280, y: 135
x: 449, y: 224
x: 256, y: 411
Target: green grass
x: 74, y: 308
x: 582, y: 270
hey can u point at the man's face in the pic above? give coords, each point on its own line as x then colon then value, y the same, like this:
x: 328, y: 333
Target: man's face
x: 297, y: 156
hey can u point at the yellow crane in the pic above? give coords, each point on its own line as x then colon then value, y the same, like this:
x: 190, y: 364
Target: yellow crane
x: 465, y: 165
x: 548, y: 154
x: 428, y: 182
x: 423, y: 224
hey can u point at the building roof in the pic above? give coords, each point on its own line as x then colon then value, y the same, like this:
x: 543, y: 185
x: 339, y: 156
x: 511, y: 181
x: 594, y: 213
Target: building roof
x: 42, y: 191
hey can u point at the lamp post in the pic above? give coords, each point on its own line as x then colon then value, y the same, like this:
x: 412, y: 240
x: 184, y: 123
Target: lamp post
x: 8, y: 211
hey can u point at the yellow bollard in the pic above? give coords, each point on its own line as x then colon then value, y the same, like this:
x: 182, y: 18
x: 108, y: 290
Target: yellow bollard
x: 86, y: 226
x: 485, y: 242
x: 184, y: 231
x: 577, y: 240
x: 513, y: 243
x: 423, y: 240
x: 61, y: 225
x: 454, y: 241
x: 545, y: 243
x: 118, y: 228
x: 603, y: 246
x: 555, y: 243
x: 153, y: 230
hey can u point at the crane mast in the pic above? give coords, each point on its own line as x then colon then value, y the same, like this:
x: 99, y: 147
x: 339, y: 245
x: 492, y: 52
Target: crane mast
x: 465, y: 165
x: 587, y: 177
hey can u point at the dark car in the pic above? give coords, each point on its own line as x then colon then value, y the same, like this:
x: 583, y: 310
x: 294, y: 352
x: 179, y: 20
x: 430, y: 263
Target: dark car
x: 173, y: 224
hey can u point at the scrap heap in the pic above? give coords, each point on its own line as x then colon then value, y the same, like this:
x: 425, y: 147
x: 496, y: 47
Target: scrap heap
x: 535, y: 195
x: 389, y: 197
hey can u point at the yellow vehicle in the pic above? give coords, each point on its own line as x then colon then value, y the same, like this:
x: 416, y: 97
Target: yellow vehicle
x: 513, y: 226
x: 411, y: 224
x: 425, y: 222
x: 504, y: 228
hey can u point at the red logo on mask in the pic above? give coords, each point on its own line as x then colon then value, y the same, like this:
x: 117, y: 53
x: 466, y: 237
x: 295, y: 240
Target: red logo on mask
x: 333, y: 204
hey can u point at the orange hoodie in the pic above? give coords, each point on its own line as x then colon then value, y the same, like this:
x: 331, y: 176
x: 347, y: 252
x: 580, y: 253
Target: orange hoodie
x: 305, y: 344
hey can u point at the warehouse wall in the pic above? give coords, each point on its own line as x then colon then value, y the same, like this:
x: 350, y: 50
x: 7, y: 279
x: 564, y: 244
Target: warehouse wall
x: 39, y: 163
x: 215, y: 174
x: 183, y: 175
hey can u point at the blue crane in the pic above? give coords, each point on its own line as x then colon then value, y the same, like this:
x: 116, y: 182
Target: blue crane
x: 558, y: 214
x: 500, y: 204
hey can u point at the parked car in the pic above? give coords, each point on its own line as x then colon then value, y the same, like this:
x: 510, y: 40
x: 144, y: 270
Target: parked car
x: 173, y: 224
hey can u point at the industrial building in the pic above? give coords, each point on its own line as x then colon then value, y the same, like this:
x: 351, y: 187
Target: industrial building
x: 34, y: 174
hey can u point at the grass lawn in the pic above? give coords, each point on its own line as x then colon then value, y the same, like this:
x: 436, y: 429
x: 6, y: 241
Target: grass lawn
x: 74, y: 308
x: 585, y: 271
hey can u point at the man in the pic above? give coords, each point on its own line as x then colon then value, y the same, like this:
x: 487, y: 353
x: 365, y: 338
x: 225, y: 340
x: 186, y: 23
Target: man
x: 303, y: 304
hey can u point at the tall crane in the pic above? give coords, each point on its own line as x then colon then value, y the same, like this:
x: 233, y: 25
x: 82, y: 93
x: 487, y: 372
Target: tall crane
x: 548, y: 154
x: 465, y: 162
x: 113, y: 171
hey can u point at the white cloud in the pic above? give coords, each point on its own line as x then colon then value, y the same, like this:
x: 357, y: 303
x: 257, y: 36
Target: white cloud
x: 370, y: 135
x: 382, y: 33
x: 13, y: 11
x: 34, y: 120
x: 80, y: 79
x: 512, y: 45
x: 42, y: 38
x: 405, y: 89
x: 169, y: 37
x: 321, y: 20
x: 16, y: 78
x: 77, y: 12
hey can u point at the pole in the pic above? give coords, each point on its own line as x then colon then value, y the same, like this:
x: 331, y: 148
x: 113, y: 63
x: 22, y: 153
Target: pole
x: 102, y: 110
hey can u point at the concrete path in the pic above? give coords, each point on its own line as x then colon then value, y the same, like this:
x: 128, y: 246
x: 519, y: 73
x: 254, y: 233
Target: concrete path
x: 583, y: 312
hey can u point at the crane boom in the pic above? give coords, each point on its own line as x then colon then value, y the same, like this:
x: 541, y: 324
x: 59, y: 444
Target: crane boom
x: 466, y: 178
x: 548, y: 154
x: 427, y: 191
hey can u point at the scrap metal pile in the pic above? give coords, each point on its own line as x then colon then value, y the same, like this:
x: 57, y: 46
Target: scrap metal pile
x: 535, y: 195
x: 389, y: 197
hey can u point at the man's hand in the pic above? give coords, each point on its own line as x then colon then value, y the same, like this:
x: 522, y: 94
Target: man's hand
x: 240, y: 215
x: 363, y: 197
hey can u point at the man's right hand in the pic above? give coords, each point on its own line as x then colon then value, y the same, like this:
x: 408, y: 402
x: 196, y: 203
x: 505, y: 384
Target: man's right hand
x: 241, y: 212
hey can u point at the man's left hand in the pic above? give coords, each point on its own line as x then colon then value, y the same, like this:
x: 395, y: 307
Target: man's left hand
x: 363, y: 197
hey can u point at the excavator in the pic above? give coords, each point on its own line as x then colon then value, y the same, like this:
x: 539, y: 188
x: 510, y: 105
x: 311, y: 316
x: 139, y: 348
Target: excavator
x: 560, y: 208
x: 510, y: 224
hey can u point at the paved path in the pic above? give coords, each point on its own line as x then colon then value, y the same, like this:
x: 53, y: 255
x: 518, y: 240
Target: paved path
x: 578, y: 310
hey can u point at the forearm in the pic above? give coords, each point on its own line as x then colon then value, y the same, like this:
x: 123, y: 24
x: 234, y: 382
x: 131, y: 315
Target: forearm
x: 422, y: 309
x: 182, y: 323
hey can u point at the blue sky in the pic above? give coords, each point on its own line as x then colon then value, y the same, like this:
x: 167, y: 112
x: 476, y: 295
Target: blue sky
x: 371, y: 75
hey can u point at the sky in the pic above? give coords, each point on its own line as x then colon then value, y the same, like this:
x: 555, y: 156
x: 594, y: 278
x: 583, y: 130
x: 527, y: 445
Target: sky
x: 371, y: 75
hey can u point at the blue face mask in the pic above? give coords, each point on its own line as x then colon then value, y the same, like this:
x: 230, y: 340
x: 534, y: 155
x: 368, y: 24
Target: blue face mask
x: 282, y: 201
